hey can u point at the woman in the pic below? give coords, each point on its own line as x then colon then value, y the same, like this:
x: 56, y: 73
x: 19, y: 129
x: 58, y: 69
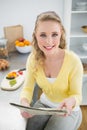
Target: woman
x: 57, y: 71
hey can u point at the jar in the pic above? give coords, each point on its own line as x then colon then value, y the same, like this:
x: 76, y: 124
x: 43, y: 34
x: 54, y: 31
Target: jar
x: 3, y: 48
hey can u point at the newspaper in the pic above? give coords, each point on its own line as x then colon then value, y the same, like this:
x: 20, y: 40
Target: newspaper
x: 40, y: 111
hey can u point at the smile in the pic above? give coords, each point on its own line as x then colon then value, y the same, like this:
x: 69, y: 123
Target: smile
x: 48, y: 47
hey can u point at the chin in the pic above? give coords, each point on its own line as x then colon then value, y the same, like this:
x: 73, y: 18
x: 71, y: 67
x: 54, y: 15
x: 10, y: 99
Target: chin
x: 49, y: 53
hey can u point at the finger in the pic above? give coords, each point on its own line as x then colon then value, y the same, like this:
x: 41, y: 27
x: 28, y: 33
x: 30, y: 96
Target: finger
x: 26, y: 115
x: 61, y: 105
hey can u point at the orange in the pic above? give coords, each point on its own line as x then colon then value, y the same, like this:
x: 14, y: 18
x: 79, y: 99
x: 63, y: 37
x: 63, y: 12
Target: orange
x: 26, y: 42
x: 20, y: 44
x: 16, y: 42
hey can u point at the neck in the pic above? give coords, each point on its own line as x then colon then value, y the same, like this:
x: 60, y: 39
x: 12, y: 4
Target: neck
x: 54, y: 56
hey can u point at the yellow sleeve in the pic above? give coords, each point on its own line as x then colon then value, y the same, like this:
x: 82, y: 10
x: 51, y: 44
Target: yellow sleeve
x: 75, y: 81
x: 29, y: 83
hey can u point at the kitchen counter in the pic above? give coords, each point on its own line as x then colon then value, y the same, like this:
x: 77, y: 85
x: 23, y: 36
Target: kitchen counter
x: 10, y: 117
x: 17, y: 61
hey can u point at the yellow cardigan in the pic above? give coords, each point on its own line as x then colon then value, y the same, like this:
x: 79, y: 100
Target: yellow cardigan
x: 68, y: 83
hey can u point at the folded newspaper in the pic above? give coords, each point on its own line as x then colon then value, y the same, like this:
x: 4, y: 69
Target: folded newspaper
x: 40, y: 111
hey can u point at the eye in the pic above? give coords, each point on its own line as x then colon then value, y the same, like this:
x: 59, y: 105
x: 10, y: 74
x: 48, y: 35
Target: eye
x: 42, y: 35
x: 54, y: 34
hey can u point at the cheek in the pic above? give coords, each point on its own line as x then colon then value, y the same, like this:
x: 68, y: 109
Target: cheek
x: 40, y: 41
x: 56, y: 41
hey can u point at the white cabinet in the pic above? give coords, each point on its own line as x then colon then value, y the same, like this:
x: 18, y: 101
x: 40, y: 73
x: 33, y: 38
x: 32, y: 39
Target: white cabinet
x: 75, y: 16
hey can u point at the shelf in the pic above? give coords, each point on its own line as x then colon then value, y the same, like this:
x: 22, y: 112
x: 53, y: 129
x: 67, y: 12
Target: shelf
x: 74, y: 18
x: 79, y: 51
x: 77, y: 12
x: 77, y: 33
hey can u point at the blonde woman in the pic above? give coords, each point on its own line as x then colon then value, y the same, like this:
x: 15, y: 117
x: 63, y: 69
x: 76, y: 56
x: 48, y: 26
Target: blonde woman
x: 57, y: 71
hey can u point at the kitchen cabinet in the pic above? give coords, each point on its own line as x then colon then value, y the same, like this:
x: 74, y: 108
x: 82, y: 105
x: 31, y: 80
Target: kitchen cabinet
x: 75, y: 16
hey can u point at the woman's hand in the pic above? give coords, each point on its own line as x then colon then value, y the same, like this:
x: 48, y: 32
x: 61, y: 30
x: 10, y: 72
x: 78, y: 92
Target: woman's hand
x: 68, y: 104
x: 24, y: 102
x: 25, y: 114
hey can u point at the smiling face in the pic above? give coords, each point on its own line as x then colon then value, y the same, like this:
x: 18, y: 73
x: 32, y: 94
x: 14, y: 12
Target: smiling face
x: 48, y: 34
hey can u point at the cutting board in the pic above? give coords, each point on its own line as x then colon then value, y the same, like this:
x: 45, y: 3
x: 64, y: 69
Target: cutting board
x: 13, y: 80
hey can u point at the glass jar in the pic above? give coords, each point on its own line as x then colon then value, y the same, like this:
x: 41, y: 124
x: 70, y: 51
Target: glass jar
x: 3, y: 48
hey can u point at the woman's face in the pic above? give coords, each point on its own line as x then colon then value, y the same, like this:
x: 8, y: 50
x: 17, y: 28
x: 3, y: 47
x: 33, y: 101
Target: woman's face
x: 48, y: 36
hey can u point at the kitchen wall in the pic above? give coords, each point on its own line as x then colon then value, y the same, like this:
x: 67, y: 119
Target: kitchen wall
x: 24, y: 12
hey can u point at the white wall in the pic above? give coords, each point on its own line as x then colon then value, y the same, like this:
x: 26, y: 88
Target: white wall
x: 24, y: 12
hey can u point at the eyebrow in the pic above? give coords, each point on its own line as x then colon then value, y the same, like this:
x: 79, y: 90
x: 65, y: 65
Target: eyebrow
x: 45, y: 32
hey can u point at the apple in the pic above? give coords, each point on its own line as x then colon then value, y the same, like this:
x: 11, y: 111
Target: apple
x: 20, y: 72
x: 21, y: 39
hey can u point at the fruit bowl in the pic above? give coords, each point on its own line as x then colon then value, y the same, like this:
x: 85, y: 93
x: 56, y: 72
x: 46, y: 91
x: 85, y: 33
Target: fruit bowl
x: 23, y: 46
x: 84, y: 28
x: 24, y: 49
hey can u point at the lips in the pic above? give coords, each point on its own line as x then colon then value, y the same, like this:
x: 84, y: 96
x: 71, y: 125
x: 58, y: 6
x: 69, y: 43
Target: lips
x: 48, y: 47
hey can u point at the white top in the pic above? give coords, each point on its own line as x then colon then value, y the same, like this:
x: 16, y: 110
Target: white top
x: 49, y: 103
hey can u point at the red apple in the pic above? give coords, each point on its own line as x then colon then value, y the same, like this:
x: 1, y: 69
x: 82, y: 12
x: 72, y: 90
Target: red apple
x: 21, y: 39
x: 20, y: 72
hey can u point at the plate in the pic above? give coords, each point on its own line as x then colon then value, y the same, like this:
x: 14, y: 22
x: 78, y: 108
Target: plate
x: 13, y: 82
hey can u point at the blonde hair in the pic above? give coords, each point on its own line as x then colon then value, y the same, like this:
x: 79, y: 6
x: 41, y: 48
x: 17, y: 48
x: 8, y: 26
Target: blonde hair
x: 46, y: 16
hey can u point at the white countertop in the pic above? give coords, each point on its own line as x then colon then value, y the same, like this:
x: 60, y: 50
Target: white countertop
x: 17, y: 61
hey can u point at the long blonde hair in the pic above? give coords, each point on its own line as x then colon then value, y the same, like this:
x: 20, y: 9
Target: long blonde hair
x: 46, y: 16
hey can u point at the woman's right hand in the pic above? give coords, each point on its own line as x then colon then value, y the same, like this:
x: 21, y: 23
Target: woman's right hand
x: 24, y: 114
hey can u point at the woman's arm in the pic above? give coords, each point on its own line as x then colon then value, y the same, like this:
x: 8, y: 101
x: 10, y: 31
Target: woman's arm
x: 28, y: 88
x: 75, y: 87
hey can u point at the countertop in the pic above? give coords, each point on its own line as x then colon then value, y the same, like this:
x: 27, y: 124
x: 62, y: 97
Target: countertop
x: 17, y: 61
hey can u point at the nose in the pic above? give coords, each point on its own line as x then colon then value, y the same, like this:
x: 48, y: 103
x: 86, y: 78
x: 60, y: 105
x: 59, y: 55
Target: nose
x: 49, y: 40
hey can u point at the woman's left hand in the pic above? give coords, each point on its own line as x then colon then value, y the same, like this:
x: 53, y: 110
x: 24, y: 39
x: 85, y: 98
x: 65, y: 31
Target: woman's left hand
x: 68, y: 104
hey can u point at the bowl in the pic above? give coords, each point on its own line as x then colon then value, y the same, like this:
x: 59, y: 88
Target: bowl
x: 84, y: 45
x: 24, y: 49
x: 84, y: 28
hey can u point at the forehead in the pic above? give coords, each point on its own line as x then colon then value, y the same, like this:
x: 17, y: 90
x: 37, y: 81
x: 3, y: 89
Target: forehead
x: 48, y: 26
